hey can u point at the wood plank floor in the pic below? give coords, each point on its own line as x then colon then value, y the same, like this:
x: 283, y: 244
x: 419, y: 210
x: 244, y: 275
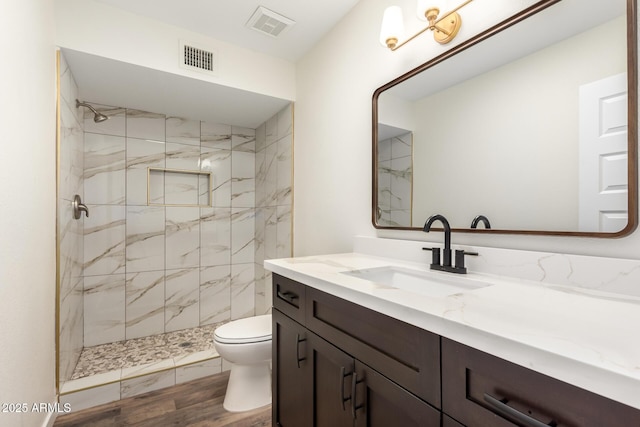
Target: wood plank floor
x: 197, y: 403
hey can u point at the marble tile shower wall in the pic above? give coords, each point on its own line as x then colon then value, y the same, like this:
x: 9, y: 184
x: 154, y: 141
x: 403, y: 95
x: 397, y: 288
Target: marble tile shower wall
x: 395, y: 180
x: 151, y: 268
x: 70, y: 231
x: 274, y: 143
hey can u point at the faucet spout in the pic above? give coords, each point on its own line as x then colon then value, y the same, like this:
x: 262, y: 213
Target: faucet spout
x: 478, y: 219
x: 446, y: 258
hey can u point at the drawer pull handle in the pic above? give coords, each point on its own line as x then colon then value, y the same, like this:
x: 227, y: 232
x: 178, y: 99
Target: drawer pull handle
x: 287, y: 296
x: 507, y: 410
x: 354, y: 383
x: 343, y: 399
x: 298, y: 341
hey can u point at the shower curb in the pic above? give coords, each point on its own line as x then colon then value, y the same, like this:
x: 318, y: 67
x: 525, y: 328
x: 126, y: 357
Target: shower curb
x: 115, y: 385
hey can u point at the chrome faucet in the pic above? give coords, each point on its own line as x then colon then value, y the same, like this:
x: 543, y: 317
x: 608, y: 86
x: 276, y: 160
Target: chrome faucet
x: 446, y: 256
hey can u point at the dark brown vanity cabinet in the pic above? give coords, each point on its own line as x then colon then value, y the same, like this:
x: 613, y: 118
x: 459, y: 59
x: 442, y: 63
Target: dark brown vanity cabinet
x: 338, y: 364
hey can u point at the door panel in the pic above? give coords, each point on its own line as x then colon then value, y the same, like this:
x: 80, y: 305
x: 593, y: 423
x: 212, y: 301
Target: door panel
x: 450, y: 422
x: 292, y: 403
x: 382, y: 403
x: 332, y: 372
x: 603, y: 155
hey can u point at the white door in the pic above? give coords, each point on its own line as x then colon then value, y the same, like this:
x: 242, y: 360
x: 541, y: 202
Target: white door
x: 603, y: 155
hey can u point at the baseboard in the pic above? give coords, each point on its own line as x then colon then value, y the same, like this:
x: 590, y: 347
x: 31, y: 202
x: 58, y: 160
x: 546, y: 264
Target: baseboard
x: 51, y: 418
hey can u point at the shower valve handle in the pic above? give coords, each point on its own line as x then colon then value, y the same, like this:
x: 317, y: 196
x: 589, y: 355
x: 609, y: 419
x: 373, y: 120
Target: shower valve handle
x: 79, y: 207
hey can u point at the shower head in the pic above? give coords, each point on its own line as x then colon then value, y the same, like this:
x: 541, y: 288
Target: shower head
x: 97, y: 117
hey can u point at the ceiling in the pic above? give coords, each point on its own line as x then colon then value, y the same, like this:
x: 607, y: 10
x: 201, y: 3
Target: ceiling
x: 225, y: 20
x: 110, y: 82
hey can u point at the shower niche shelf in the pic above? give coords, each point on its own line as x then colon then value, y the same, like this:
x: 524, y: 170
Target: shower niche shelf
x: 179, y: 187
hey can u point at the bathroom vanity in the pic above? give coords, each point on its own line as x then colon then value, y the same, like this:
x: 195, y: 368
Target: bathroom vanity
x: 351, y: 347
x: 526, y: 339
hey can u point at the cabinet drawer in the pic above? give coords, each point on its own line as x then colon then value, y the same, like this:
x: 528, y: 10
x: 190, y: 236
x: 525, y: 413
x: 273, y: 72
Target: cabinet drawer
x: 403, y: 353
x: 288, y: 297
x: 479, y: 389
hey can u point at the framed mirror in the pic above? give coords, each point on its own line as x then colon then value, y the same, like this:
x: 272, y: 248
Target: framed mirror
x: 529, y: 128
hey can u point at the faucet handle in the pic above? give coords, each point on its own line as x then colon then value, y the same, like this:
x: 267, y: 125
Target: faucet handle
x: 460, y: 253
x: 435, y: 255
x: 468, y: 253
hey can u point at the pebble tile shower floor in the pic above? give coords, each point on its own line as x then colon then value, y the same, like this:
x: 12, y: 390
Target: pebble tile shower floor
x: 141, y: 351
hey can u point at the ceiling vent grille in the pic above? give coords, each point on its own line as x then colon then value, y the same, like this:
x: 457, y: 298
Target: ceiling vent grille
x: 269, y: 22
x: 199, y: 59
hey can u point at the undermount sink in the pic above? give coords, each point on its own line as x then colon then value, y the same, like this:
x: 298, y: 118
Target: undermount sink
x: 420, y: 282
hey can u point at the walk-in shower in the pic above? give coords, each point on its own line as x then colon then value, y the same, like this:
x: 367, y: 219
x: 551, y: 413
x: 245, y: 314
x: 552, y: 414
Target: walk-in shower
x: 97, y: 117
x: 184, y: 212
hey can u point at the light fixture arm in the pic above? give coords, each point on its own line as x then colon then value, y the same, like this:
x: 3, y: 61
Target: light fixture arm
x: 399, y: 45
x: 454, y: 10
x: 433, y: 26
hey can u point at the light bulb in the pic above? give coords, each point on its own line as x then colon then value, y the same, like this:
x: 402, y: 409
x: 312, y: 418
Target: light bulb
x: 392, y: 26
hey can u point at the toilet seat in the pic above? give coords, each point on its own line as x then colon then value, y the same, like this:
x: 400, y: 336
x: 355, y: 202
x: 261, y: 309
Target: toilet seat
x: 243, y: 331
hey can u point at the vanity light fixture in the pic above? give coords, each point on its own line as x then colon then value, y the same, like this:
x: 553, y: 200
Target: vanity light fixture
x: 445, y: 26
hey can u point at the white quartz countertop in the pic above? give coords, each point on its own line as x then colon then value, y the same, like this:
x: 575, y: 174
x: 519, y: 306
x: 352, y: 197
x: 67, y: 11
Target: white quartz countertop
x: 591, y: 341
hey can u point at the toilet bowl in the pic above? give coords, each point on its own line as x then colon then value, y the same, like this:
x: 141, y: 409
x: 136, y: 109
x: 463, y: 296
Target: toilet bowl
x: 246, y: 343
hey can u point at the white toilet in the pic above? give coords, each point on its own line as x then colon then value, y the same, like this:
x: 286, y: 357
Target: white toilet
x: 246, y: 343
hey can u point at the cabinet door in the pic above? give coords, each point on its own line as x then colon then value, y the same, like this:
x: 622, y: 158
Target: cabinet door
x: 449, y: 422
x: 331, y: 383
x: 292, y: 401
x: 380, y: 402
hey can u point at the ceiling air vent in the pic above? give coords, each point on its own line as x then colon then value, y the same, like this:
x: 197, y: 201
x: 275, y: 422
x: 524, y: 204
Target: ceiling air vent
x: 269, y: 22
x: 198, y: 59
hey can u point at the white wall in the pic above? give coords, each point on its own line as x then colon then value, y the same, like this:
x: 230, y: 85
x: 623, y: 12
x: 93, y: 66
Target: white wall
x: 395, y: 111
x: 335, y: 83
x: 98, y: 29
x: 27, y: 208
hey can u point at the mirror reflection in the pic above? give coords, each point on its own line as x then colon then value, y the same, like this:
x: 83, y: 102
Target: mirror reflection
x: 529, y: 130
x: 395, y: 175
